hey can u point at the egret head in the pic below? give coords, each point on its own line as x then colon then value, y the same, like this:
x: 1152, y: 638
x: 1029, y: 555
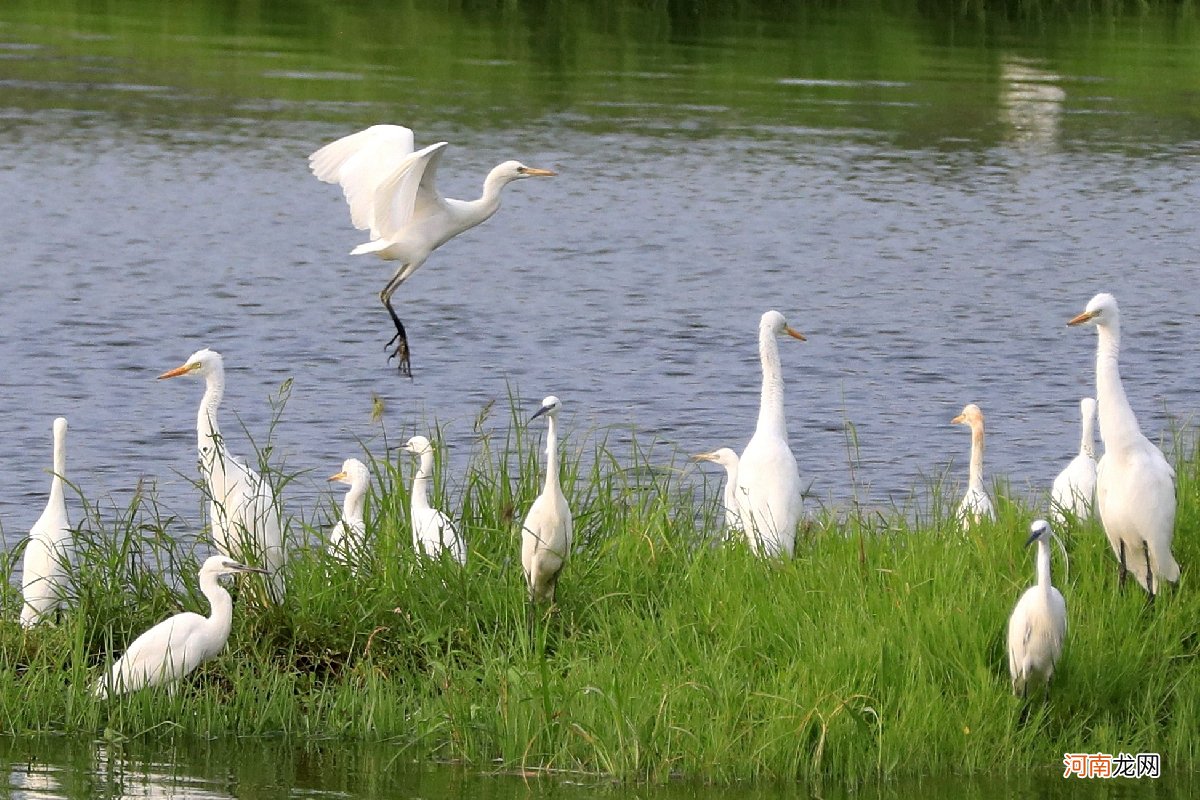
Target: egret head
x: 222, y: 565
x: 515, y: 171
x: 354, y: 473
x: 774, y: 322
x: 1087, y: 407
x: 1040, y: 529
x: 971, y: 415
x: 202, y: 362
x: 1101, y: 310
x: 60, y: 427
x: 550, y: 407
x: 418, y: 445
x: 724, y: 456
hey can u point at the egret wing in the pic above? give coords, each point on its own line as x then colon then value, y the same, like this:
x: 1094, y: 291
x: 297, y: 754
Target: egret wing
x: 408, y: 193
x: 360, y: 162
x: 157, y: 656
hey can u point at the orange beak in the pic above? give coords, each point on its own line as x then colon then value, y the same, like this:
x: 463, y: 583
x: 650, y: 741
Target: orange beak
x: 175, y: 373
x: 960, y: 419
x: 1082, y: 318
x: 795, y: 334
x: 341, y: 476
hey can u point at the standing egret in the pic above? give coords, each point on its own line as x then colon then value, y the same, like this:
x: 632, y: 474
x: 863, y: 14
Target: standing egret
x: 44, y: 568
x: 432, y: 531
x: 729, y: 460
x: 975, y: 504
x: 1038, y: 624
x: 546, y: 532
x: 176, y: 646
x: 245, y: 519
x: 1075, y: 487
x: 347, y: 540
x: 768, y: 481
x: 391, y: 192
x: 1135, y: 486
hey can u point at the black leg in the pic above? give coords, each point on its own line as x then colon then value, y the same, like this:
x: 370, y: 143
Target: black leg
x: 1124, y: 571
x: 1149, y: 572
x: 401, y: 338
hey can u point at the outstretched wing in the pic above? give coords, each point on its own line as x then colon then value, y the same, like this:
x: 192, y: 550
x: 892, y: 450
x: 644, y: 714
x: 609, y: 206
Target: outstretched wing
x: 359, y: 162
x: 408, y: 193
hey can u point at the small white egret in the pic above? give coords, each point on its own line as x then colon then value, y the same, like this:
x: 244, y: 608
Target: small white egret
x: 546, y: 532
x: 391, y: 192
x: 1135, y: 486
x: 729, y: 460
x: 1075, y: 487
x: 976, y: 504
x: 176, y: 646
x: 244, y: 517
x: 347, y: 540
x: 432, y: 531
x: 1038, y: 624
x: 44, y: 568
x: 768, y: 480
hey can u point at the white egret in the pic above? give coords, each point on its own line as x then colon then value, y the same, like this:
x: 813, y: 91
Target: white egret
x: 1038, y: 624
x: 976, y: 504
x: 432, y: 531
x: 176, y: 646
x: 546, y: 532
x: 44, y: 568
x: 392, y: 193
x: 1075, y: 487
x: 729, y: 460
x: 244, y: 516
x: 1135, y: 486
x: 347, y: 540
x: 768, y: 481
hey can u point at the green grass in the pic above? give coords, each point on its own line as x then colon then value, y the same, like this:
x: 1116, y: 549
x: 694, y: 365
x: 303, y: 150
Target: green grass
x: 878, y: 651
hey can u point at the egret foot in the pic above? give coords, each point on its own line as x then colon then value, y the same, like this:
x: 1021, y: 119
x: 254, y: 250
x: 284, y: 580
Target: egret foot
x: 400, y: 339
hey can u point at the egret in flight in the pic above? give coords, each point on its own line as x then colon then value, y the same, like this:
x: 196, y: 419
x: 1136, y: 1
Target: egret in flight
x: 1038, y: 624
x: 1135, y: 486
x: 768, y: 481
x: 1075, y: 487
x: 975, y: 504
x: 729, y: 460
x: 546, y: 532
x: 44, y: 568
x: 347, y: 540
x: 242, y: 508
x: 176, y: 646
x: 392, y: 193
x: 432, y: 531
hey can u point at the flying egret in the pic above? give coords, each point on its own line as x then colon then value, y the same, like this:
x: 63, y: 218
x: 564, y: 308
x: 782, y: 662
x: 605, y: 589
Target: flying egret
x: 347, y: 540
x: 242, y: 508
x: 432, y: 531
x: 44, y: 568
x: 768, y: 481
x: 546, y: 532
x: 391, y: 192
x: 1075, y: 487
x: 728, y: 459
x: 975, y: 504
x: 176, y: 646
x: 1038, y: 624
x: 1135, y: 486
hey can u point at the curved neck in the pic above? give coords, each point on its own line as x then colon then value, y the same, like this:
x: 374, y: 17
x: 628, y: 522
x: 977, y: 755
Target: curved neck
x: 731, y: 475
x: 552, y: 456
x: 1087, y: 441
x: 976, y: 474
x: 1043, y: 565
x: 208, y: 433
x: 488, y: 202
x: 770, y: 409
x: 60, y: 466
x: 352, y: 504
x: 420, y: 490
x: 1118, y: 425
x: 221, y: 615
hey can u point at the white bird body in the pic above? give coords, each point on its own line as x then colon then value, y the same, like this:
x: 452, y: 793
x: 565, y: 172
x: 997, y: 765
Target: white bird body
x: 547, y: 530
x: 1038, y: 625
x: 1074, y: 489
x: 768, y: 480
x: 44, y: 579
x: 1135, y: 486
x: 245, y: 519
x: 729, y: 500
x: 432, y: 531
x: 176, y: 646
x: 392, y: 192
x: 347, y: 539
x: 976, y: 504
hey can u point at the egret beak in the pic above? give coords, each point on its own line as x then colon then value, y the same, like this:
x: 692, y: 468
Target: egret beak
x: 183, y: 370
x: 795, y: 334
x: 959, y: 420
x: 1033, y: 537
x: 540, y: 411
x: 341, y: 476
x: 703, y: 457
x: 260, y: 571
x: 534, y: 172
x: 1082, y: 318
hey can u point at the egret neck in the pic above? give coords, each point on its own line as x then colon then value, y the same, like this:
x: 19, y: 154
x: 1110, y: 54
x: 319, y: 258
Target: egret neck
x: 1118, y: 425
x: 420, y: 489
x: 771, y: 420
x: 60, y: 462
x: 975, y: 480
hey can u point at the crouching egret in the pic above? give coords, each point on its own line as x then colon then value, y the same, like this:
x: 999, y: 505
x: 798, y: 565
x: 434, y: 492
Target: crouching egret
x: 546, y: 532
x: 768, y: 481
x: 347, y: 540
x: 44, y: 567
x: 176, y: 646
x: 432, y: 531
x: 391, y: 192
x: 242, y: 508
x: 1135, y: 486
x: 975, y: 504
x: 1075, y: 487
x: 1038, y: 624
x: 729, y: 460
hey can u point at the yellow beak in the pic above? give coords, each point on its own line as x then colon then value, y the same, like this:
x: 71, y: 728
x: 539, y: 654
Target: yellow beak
x: 540, y: 173
x: 341, y: 476
x: 175, y: 373
x: 703, y: 457
x: 959, y: 419
x: 1082, y: 318
x: 795, y: 334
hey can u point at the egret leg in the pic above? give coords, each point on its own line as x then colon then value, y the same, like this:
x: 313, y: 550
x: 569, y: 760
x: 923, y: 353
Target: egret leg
x: 1149, y: 572
x: 400, y: 339
x: 1124, y: 570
